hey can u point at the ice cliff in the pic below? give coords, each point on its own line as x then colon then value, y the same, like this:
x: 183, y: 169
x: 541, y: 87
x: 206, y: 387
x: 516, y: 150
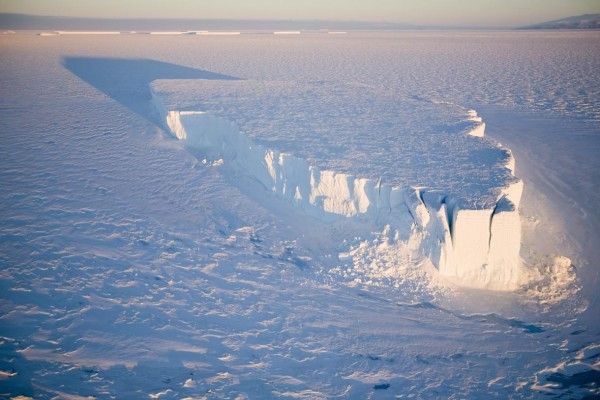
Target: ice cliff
x: 472, y: 247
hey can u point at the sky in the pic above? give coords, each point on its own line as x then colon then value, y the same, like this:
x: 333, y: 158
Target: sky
x: 501, y: 13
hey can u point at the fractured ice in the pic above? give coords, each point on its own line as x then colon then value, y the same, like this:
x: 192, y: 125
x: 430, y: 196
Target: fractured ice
x: 472, y: 246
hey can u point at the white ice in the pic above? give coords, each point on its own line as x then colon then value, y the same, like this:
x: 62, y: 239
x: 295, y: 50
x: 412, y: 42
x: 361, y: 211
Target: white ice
x: 474, y: 236
x: 134, y: 266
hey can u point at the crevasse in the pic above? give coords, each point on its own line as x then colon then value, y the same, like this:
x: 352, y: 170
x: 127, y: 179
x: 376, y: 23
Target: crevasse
x: 477, y: 248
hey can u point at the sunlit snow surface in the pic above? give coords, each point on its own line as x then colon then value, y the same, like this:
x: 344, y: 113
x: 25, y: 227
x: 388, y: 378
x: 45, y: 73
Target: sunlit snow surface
x: 373, y: 132
x: 130, y: 269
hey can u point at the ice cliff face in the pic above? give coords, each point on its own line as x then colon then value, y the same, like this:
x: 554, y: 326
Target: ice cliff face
x: 476, y: 248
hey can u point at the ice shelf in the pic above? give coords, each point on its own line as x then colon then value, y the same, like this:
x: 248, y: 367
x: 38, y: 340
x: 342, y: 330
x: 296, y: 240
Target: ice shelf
x: 472, y: 247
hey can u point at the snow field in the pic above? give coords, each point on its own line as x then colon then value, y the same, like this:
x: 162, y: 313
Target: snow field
x: 130, y: 268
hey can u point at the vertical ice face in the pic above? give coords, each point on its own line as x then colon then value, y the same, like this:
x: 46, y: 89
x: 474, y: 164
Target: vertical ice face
x: 478, y: 129
x: 504, y: 263
x: 473, y: 247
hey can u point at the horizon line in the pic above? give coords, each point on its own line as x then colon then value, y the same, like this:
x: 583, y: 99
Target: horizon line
x: 397, y: 24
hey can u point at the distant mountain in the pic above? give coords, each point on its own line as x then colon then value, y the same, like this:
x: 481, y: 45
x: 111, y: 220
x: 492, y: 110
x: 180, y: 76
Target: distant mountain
x: 586, y: 21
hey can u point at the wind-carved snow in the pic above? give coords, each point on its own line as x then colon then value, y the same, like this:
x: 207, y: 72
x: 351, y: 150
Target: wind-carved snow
x: 128, y: 270
x: 471, y: 245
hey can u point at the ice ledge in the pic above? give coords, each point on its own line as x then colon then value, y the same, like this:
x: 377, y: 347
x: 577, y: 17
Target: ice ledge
x: 476, y: 248
x: 478, y: 128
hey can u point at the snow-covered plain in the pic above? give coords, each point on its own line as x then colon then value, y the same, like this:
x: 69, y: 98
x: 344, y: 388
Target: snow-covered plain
x: 134, y: 266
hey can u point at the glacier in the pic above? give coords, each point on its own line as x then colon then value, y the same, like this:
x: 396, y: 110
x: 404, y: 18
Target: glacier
x: 476, y: 248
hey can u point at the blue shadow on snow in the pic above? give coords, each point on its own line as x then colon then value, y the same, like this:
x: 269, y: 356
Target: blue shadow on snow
x: 128, y: 80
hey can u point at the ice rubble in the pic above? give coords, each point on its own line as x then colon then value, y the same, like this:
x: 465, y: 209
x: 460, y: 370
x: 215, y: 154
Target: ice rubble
x: 476, y: 248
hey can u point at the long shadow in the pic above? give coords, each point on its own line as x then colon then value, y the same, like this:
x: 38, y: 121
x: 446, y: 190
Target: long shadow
x: 128, y: 80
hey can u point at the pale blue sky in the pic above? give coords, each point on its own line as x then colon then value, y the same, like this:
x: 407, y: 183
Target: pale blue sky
x: 418, y: 12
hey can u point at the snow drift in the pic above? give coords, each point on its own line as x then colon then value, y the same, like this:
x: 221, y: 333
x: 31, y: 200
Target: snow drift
x: 476, y: 248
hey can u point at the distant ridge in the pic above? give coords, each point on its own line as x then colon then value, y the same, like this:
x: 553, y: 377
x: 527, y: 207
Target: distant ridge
x: 11, y: 21
x: 585, y: 21
x: 37, y: 22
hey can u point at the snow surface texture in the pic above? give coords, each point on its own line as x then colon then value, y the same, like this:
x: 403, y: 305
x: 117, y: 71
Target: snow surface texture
x: 474, y: 247
x: 130, y: 269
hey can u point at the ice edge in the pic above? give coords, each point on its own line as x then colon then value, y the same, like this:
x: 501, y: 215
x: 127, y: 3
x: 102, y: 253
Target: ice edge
x: 477, y: 248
